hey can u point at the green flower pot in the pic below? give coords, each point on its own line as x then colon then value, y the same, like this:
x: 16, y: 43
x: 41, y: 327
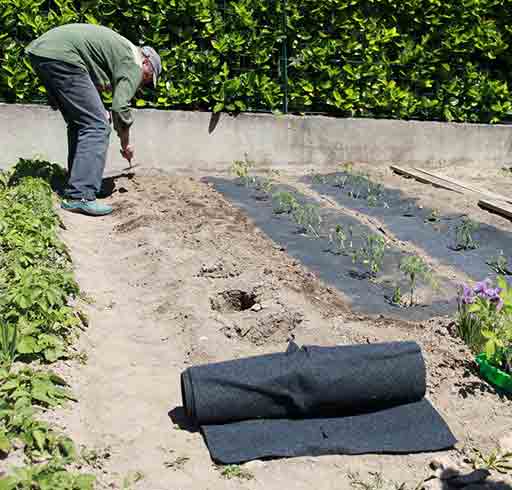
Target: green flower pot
x: 494, y: 375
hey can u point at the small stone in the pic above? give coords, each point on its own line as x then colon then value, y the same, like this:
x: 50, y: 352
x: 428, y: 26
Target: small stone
x: 442, y: 462
x: 256, y: 307
x: 203, y: 338
x: 505, y: 443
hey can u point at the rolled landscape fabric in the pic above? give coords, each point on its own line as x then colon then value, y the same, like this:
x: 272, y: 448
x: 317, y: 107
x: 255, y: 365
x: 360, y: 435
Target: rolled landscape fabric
x: 315, y: 400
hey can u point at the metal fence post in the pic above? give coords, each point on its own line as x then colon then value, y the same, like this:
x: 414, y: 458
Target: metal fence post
x: 284, y: 59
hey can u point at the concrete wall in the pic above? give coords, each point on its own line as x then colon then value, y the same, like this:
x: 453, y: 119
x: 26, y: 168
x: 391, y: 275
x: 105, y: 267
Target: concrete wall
x: 180, y: 141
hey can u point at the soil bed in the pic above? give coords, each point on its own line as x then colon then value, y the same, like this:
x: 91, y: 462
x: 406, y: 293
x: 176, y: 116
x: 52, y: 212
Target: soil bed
x: 434, y: 230
x: 365, y: 296
x: 180, y: 276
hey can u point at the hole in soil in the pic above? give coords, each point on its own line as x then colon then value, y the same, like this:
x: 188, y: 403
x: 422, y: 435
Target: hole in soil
x: 233, y: 300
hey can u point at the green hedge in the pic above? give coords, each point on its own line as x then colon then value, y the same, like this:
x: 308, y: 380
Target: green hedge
x: 419, y: 59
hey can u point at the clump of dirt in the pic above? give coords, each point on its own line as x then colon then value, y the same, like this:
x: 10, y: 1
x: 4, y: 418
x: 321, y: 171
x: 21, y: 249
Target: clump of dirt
x: 275, y: 327
x: 134, y: 224
x: 233, y: 300
x: 260, y: 327
x: 219, y: 270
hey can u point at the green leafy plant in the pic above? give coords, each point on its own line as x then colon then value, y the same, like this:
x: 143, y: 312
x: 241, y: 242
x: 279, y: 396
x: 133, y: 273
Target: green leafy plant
x: 477, y: 312
x: 371, y: 253
x: 8, y: 344
x: 227, y: 57
x: 484, y: 321
x: 284, y: 202
x: 36, y: 323
x: 340, y: 181
x: 397, y: 297
x: 241, y: 168
x: 235, y: 471
x: 499, y: 264
x: 496, y: 460
x: 464, y: 235
x: 434, y: 216
x: 373, y: 200
x: 319, y: 179
x: 308, y: 218
x: 496, y: 303
x: 337, y: 239
x: 266, y: 186
x: 416, y: 269
x: 374, y: 482
x: 52, y: 475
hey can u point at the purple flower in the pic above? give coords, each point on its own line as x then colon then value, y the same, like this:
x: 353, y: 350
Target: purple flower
x: 466, y: 295
x: 493, y: 296
x: 481, y: 287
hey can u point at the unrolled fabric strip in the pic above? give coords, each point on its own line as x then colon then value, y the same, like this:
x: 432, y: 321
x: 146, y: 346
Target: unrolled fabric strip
x: 315, y: 400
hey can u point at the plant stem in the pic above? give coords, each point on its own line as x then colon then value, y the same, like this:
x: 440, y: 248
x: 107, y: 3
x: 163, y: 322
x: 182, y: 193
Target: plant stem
x: 413, y: 284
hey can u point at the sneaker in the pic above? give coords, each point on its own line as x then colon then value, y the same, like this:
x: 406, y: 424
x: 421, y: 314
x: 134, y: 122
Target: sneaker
x: 90, y: 208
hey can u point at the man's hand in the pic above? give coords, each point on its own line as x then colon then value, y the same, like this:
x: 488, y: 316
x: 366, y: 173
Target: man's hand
x: 128, y: 153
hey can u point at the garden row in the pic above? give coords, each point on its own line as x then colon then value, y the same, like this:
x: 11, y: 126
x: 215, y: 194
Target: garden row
x: 37, y: 328
x: 483, y: 311
x: 422, y: 59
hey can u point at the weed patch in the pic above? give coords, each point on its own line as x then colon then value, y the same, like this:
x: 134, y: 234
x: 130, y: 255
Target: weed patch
x: 235, y: 471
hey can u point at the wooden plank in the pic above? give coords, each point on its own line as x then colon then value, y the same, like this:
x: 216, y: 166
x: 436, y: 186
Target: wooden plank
x: 462, y: 185
x: 501, y: 208
x: 426, y: 179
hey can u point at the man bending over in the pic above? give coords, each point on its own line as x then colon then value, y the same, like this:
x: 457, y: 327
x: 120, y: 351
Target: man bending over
x: 76, y: 62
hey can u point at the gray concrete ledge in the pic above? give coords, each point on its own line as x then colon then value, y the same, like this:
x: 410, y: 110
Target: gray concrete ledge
x: 199, y: 142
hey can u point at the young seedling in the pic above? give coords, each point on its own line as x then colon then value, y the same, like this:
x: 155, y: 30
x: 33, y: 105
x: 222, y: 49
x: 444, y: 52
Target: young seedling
x: 337, y: 239
x: 464, y: 235
x: 241, y: 168
x: 372, y: 200
x: 374, y: 193
x: 355, y: 193
x: 347, y: 168
x: 340, y: 181
x: 499, y: 264
x: 371, y: 253
x: 177, y: 464
x: 132, y: 478
x: 350, y: 237
x: 94, y: 458
x: 308, y: 218
x: 375, y: 482
x: 284, y: 202
x: 319, y: 179
x: 396, y: 299
x: 434, y: 216
x: 415, y: 268
x: 266, y: 186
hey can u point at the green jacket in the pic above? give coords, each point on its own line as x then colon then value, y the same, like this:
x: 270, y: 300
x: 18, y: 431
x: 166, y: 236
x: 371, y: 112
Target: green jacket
x: 112, y: 61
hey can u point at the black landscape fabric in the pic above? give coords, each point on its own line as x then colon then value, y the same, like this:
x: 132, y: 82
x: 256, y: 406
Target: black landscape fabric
x: 315, y: 400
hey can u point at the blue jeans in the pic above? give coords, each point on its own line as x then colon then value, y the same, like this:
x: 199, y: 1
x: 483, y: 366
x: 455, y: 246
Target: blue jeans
x: 72, y: 91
